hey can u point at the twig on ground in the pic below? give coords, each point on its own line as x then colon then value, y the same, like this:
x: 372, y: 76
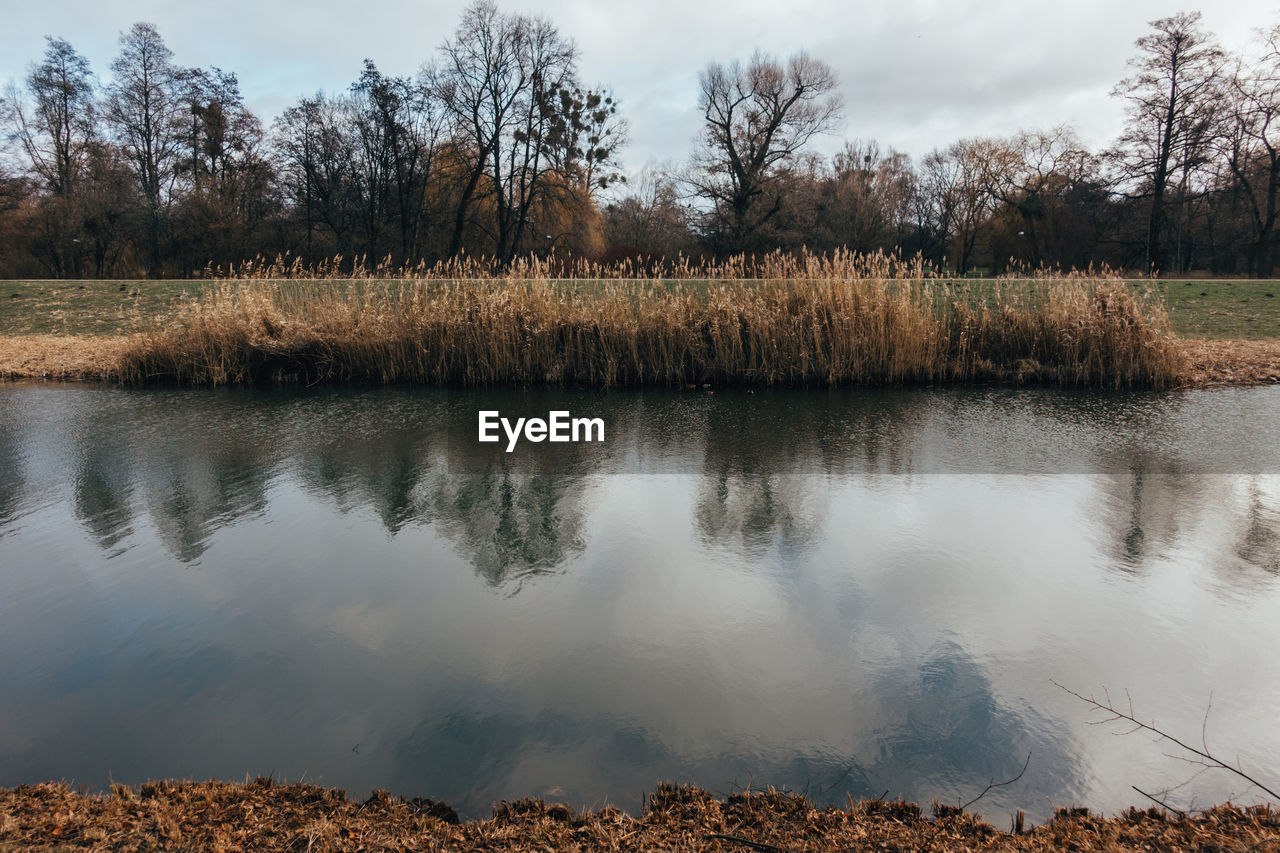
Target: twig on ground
x: 1159, y: 802
x: 990, y: 785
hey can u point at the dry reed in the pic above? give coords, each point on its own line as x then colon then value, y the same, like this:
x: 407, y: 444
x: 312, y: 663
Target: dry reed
x: 776, y: 264
x: 818, y: 322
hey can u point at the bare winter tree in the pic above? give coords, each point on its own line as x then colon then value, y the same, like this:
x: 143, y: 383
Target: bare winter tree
x: 952, y: 202
x: 649, y: 221
x: 758, y: 118
x: 581, y: 140
x: 1024, y: 171
x: 225, y: 180
x: 480, y: 82
x: 863, y: 199
x: 53, y: 123
x: 55, y: 131
x: 547, y: 59
x: 317, y: 153
x: 1172, y: 95
x: 219, y: 132
x: 1251, y: 146
x: 398, y: 123
x: 144, y: 105
x: 500, y: 78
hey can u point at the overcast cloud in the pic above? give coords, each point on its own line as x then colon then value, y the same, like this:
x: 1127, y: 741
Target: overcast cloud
x: 915, y: 74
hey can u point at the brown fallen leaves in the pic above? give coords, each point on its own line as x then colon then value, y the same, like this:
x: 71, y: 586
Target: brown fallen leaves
x: 266, y: 816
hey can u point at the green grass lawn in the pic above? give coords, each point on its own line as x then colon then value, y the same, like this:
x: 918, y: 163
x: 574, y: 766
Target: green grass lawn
x: 1223, y: 309
x: 87, y: 307
x: 1199, y: 309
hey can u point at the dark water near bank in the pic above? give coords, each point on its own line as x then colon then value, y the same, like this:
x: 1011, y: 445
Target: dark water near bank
x: 851, y: 592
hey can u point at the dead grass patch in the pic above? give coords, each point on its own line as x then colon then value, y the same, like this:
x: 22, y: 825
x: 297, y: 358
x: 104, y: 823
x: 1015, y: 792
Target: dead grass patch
x: 61, y: 356
x: 1232, y: 362
x: 266, y: 816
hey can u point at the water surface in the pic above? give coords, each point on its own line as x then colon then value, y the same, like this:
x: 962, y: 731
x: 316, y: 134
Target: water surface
x: 842, y: 593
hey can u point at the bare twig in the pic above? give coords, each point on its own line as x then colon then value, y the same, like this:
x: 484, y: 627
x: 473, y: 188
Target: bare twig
x: 842, y: 777
x: 990, y: 785
x: 1161, y: 803
x: 1207, y: 758
x: 995, y: 784
x: 1204, y: 724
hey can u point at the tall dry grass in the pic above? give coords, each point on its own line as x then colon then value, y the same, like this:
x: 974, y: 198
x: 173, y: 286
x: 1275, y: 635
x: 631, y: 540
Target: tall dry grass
x: 776, y: 264
x: 821, y: 324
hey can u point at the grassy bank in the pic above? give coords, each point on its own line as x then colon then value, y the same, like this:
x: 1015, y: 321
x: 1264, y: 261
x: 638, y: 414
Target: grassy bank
x: 262, y: 816
x: 1211, y: 310
x: 90, y: 308
x: 823, y: 329
x: 1247, y: 309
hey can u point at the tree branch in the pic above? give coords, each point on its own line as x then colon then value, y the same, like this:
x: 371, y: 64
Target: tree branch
x: 1209, y: 758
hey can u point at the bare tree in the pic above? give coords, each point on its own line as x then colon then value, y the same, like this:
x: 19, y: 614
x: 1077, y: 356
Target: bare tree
x: 758, y: 118
x: 500, y: 76
x: 398, y: 124
x: 581, y: 138
x: 649, y: 221
x: 1250, y: 144
x: 1172, y: 98
x: 953, y: 202
x: 317, y: 154
x: 547, y: 59
x: 1025, y: 171
x: 226, y: 182
x: 220, y: 131
x: 55, y: 133
x: 480, y: 82
x: 863, y: 199
x: 144, y: 106
x: 53, y: 123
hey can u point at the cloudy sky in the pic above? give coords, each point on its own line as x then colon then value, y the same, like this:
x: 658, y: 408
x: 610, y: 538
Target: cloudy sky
x: 915, y: 74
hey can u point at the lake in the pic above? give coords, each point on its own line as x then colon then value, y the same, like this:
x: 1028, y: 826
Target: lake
x: 845, y: 593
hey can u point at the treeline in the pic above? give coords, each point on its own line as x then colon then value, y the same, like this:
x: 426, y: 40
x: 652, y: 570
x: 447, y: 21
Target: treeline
x: 497, y: 148
x: 494, y: 147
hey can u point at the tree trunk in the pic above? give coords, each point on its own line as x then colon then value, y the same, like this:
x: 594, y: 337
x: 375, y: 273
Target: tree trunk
x: 464, y: 203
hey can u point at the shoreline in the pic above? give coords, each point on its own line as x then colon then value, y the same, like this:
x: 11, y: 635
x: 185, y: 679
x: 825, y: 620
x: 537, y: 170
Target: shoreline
x: 90, y: 358
x: 272, y: 816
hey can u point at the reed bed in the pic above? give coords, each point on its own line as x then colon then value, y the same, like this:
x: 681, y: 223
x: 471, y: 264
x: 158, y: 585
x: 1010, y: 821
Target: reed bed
x: 776, y: 264
x: 820, y: 323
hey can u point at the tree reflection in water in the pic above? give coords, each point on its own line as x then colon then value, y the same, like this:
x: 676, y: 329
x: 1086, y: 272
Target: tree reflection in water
x: 813, y: 590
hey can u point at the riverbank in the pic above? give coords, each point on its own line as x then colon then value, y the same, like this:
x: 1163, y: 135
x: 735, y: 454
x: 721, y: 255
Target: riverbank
x: 817, y: 325
x: 823, y: 330
x: 262, y: 816
x: 97, y: 358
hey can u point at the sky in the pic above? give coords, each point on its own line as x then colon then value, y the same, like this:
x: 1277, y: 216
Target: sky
x: 914, y: 74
